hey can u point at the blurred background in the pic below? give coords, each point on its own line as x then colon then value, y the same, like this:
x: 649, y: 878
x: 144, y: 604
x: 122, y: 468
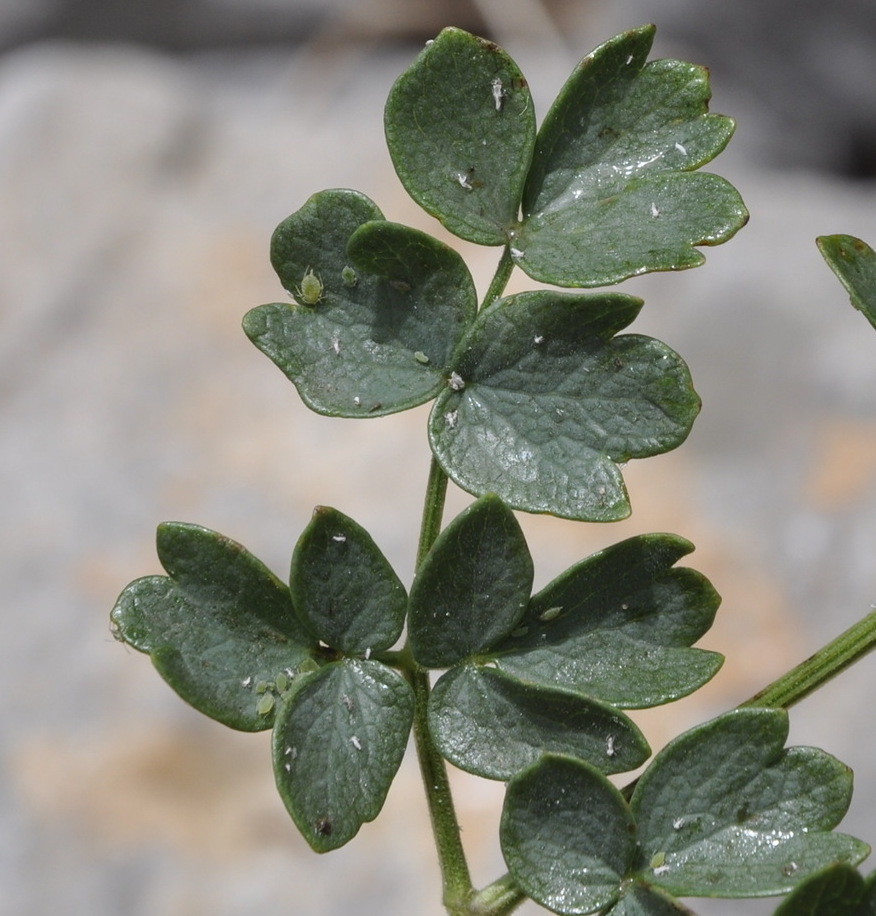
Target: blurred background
x: 147, y: 151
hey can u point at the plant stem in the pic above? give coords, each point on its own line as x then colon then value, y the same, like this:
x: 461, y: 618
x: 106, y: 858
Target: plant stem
x: 500, y: 278
x: 458, y: 888
x: 821, y: 667
x: 500, y: 898
x: 460, y: 899
x: 433, y: 510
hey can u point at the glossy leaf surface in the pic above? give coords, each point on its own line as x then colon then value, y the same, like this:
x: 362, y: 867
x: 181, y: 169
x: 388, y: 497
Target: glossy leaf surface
x: 472, y: 588
x: 854, y: 262
x: 618, y: 626
x: 220, y: 628
x: 343, y: 586
x: 642, y: 900
x: 492, y: 725
x: 612, y: 192
x: 545, y: 402
x: 392, y: 305
x: 567, y: 835
x: 726, y: 811
x: 338, y: 742
x: 460, y: 127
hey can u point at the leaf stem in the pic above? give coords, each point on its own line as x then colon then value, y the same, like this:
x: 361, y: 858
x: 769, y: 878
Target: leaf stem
x: 500, y: 898
x: 500, y: 278
x: 433, y: 510
x: 842, y: 652
x: 460, y: 898
x: 458, y: 888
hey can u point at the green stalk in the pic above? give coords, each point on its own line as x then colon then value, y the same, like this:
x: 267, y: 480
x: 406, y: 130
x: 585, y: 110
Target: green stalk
x: 455, y: 874
x: 848, y: 648
x: 500, y: 278
x: 460, y: 899
x: 500, y: 898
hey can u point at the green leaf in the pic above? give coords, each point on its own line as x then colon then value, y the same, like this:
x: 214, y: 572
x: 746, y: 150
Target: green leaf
x: 493, y: 725
x: 837, y: 890
x: 472, y: 588
x: 612, y: 192
x: 567, y: 835
x: 221, y: 630
x: 544, y: 403
x: 641, y: 900
x: 617, y: 626
x: 854, y: 262
x: 393, y: 305
x: 724, y: 811
x: 338, y: 742
x: 344, y: 588
x: 460, y: 127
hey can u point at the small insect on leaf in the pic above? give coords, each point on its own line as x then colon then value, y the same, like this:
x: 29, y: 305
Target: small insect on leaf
x: 323, y: 826
x: 265, y: 705
x: 350, y: 277
x: 311, y: 289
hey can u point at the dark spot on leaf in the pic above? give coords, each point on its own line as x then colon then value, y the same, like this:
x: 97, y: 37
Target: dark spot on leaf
x: 323, y: 826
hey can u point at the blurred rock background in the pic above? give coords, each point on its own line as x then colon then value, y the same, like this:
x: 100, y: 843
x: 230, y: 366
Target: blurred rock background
x: 146, y: 153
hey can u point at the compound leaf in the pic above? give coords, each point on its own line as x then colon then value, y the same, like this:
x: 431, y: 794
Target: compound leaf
x: 460, y: 127
x: 618, y: 626
x: 338, y: 741
x: 472, y: 588
x: 854, y: 262
x: 725, y: 811
x: 380, y: 308
x: 612, y: 192
x: 343, y: 586
x: 543, y: 403
x: 220, y: 628
x: 493, y: 725
x: 567, y: 835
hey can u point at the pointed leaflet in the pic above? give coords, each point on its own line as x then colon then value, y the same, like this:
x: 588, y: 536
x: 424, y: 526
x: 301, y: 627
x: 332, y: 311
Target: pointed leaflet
x: 492, y: 725
x: 854, y: 262
x: 343, y: 586
x: 382, y: 308
x: 472, y: 588
x: 838, y: 890
x: 221, y: 629
x: 617, y: 626
x: 612, y: 192
x: 567, y: 835
x: 544, y: 402
x: 725, y: 811
x: 338, y: 742
x: 460, y: 127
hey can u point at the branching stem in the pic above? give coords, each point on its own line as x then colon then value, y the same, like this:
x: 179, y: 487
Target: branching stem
x: 460, y: 898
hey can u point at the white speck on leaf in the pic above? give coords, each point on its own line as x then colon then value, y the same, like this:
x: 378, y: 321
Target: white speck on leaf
x: 464, y: 183
x: 451, y: 418
x: 498, y: 93
x: 339, y: 538
x: 354, y: 740
x: 538, y: 339
x: 654, y: 211
x: 681, y: 149
x: 610, y: 747
x: 456, y: 381
x: 517, y: 253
